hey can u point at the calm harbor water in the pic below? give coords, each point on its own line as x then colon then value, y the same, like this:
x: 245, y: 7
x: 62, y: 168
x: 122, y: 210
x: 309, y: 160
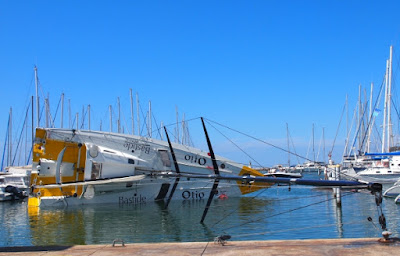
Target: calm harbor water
x: 275, y: 213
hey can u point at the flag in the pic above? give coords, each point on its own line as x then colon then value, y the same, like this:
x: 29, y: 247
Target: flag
x: 376, y: 112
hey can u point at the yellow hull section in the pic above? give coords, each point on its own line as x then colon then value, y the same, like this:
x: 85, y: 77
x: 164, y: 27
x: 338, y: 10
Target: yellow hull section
x: 254, y: 186
x: 50, y: 149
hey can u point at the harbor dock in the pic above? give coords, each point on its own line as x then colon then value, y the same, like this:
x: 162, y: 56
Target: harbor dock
x: 359, y: 246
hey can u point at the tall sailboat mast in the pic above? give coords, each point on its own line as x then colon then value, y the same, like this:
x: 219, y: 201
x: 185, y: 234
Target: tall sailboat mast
x: 138, y: 114
x: 385, y: 108
x: 62, y: 111
x: 37, y: 98
x: 288, y: 144
x: 110, y: 109
x: 132, y: 114
x: 88, y: 109
x: 371, y: 118
x: 389, y: 100
x: 359, y: 120
x: 149, y: 121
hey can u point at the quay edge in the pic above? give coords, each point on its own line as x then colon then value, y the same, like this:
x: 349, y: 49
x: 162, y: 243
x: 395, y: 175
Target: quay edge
x: 353, y: 246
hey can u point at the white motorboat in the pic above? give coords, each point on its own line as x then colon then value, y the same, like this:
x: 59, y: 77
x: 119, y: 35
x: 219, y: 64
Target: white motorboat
x: 385, y: 171
x: 14, y: 183
x: 281, y: 171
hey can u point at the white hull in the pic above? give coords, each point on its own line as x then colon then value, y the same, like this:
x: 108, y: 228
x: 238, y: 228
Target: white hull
x: 381, y: 175
x: 14, y: 184
x: 87, y: 167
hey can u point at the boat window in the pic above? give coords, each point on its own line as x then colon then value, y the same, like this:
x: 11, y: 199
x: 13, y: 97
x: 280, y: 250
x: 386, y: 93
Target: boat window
x: 96, y: 170
x: 131, y: 161
x: 165, y: 157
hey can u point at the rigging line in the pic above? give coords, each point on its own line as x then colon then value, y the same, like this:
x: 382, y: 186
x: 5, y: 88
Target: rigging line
x: 83, y: 119
x: 235, y: 144
x: 55, y: 115
x: 394, y: 106
x: 205, y: 248
x: 359, y: 128
x: 20, y: 136
x: 174, y: 124
x: 144, y: 124
x: 297, y: 198
x: 371, y: 117
x: 288, y: 211
x: 158, y: 127
x: 379, y: 135
x: 73, y: 122
x: 252, y: 137
x: 186, y: 146
x: 189, y: 120
x: 235, y: 210
x: 294, y: 149
x: 274, y: 200
x: 347, y: 150
x: 5, y: 143
x: 337, y: 130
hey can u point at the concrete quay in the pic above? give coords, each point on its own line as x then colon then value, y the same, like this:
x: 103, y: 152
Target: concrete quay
x: 331, y: 247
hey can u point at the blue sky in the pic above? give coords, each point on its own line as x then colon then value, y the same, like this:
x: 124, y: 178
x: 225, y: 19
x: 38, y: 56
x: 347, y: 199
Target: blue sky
x: 251, y: 65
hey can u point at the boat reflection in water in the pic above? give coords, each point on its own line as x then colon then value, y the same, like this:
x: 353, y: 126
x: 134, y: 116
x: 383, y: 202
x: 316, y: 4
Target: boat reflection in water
x: 149, y: 222
x: 275, y: 213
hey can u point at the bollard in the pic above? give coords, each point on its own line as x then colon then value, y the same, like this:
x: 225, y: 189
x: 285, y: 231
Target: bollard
x: 338, y: 193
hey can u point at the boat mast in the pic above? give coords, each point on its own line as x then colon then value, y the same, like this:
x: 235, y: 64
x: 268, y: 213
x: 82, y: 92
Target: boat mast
x: 389, y: 103
x: 10, y: 140
x: 132, y: 119
x: 69, y: 114
x: 183, y: 139
x: 119, y: 116
x: 347, y: 127
x: 138, y: 115
x: 62, y: 110
x: 288, y: 145
x: 89, y: 117
x: 37, y: 97
x: 110, y: 118
x: 161, y: 134
x: 149, y: 120
x: 359, y: 118
x: 323, y: 142
x: 83, y: 118
x: 313, y: 145
x: 385, y: 108
x: 177, y: 126
x: 33, y: 131
x: 371, y: 117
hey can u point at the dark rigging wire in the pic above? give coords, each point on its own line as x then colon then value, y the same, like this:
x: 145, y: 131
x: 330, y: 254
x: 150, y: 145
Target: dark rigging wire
x: 252, y: 137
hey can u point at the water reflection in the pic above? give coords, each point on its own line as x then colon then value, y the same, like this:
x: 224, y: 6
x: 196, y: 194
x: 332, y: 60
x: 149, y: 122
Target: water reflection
x: 14, y: 224
x: 137, y: 223
x: 276, y: 213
